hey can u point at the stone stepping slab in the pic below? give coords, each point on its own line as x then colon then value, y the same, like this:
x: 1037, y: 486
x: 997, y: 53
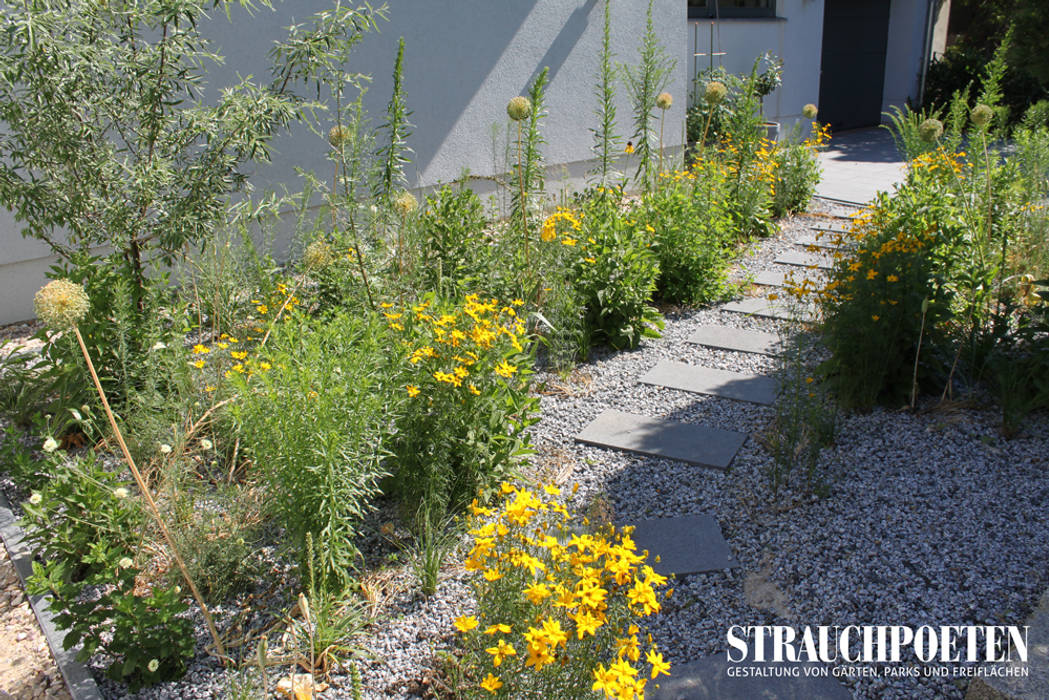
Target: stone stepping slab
x: 754, y: 388
x: 687, y: 442
x: 803, y: 259
x: 767, y: 308
x: 738, y: 339
x: 691, y: 544
x: 709, y: 679
x: 827, y: 240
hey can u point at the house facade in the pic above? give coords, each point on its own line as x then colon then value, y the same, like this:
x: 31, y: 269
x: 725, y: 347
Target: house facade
x: 464, y: 59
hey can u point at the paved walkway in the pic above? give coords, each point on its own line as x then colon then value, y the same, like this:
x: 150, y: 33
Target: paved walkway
x: 859, y: 163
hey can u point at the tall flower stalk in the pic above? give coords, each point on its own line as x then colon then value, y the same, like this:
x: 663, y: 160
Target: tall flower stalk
x: 61, y: 304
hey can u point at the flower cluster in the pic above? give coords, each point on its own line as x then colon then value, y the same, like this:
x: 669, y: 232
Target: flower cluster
x: 558, y: 606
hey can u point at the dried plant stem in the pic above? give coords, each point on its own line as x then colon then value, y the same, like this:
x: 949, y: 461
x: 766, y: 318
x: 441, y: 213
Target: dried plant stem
x: 149, y: 498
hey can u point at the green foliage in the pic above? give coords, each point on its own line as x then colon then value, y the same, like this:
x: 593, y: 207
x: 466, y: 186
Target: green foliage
x: 451, y: 238
x: 614, y: 275
x: 643, y: 83
x: 692, y: 229
x: 85, y: 528
x: 463, y: 408
x: 394, y: 154
x: 606, y: 140
x: 315, y: 425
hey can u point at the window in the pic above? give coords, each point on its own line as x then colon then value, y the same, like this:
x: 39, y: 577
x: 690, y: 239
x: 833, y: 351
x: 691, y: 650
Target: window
x: 700, y: 9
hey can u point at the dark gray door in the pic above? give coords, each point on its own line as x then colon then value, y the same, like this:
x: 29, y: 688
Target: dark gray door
x: 852, y: 71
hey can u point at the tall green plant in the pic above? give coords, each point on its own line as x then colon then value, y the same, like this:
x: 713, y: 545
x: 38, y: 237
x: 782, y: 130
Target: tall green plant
x: 644, y: 82
x: 606, y: 141
x: 394, y: 154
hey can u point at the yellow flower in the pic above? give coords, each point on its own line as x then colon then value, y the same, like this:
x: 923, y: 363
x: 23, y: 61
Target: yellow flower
x: 499, y: 628
x: 500, y: 651
x: 658, y: 665
x: 492, y: 683
x: 505, y: 369
x: 466, y: 623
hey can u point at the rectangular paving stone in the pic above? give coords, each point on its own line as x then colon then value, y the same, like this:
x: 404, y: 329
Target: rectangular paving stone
x: 767, y: 309
x: 709, y: 679
x: 687, y: 442
x: 827, y: 240
x: 691, y: 544
x: 739, y: 339
x: 803, y: 259
x: 754, y: 388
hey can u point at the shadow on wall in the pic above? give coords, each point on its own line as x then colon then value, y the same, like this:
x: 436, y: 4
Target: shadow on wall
x: 451, y: 49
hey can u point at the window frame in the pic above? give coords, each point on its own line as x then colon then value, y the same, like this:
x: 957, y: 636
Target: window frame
x: 731, y: 12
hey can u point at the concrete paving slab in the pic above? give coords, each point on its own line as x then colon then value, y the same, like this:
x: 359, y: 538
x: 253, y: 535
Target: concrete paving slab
x: 803, y: 259
x: 753, y: 388
x: 738, y: 339
x: 687, y: 442
x: 692, y: 544
x: 708, y: 679
x: 768, y: 309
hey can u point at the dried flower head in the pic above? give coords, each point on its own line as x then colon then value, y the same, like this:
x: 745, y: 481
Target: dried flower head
x: 664, y: 100
x: 405, y: 203
x: 982, y: 115
x: 715, y: 92
x: 930, y: 130
x: 809, y: 111
x: 317, y: 255
x: 519, y: 108
x: 61, y: 304
x: 338, y: 135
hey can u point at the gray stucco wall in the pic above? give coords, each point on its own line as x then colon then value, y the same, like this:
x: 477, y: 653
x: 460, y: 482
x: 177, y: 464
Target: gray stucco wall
x: 463, y: 60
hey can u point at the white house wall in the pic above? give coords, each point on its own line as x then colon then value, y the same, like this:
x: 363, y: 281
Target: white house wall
x: 904, y: 59
x: 463, y: 60
x: 795, y: 35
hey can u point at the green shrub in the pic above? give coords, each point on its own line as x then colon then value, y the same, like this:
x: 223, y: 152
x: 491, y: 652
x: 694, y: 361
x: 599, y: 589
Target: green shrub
x: 312, y: 410
x: 614, y: 272
x: 462, y: 379
x: 86, y: 529
x: 692, y: 227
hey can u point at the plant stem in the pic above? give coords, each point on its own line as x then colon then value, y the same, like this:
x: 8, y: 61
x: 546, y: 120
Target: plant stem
x: 149, y: 498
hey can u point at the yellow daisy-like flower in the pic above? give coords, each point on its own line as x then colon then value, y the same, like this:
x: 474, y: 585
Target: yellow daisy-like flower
x: 492, y: 683
x: 466, y: 623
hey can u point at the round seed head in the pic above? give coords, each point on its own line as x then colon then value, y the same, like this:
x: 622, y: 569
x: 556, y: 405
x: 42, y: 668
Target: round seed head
x: 317, y: 255
x: 982, y: 115
x: 809, y: 111
x: 715, y: 92
x: 405, y: 203
x: 664, y: 100
x: 519, y: 108
x: 61, y: 304
x: 930, y: 130
x: 338, y: 135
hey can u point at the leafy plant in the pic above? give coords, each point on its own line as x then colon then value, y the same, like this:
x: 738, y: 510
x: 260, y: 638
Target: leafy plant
x: 557, y: 608
x: 644, y: 82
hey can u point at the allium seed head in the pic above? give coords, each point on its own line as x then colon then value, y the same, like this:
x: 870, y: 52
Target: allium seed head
x: 715, y: 92
x: 664, y: 100
x: 930, y: 130
x: 338, y: 135
x: 809, y: 111
x: 317, y: 255
x: 982, y: 115
x: 519, y: 108
x: 405, y: 203
x: 61, y: 304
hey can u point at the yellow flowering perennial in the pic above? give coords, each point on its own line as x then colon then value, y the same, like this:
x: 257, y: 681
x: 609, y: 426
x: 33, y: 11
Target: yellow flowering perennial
x: 558, y: 615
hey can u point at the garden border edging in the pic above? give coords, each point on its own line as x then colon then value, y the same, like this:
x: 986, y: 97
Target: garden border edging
x: 78, y: 680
